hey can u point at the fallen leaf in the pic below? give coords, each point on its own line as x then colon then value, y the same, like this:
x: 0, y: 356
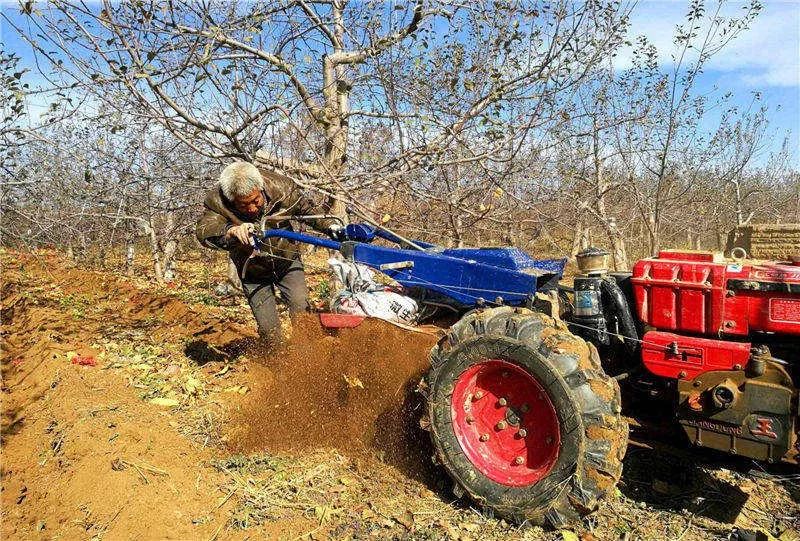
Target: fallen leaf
x: 353, y: 381
x: 406, y: 519
x: 568, y: 535
x: 367, y: 514
x: 192, y: 386
x: 141, y: 366
x: 223, y: 371
x: 172, y: 370
x: 166, y: 402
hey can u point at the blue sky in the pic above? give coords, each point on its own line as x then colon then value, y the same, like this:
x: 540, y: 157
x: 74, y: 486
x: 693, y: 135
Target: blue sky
x: 765, y: 59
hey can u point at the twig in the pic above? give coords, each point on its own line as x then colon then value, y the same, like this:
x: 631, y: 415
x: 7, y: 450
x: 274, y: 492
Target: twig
x: 216, y: 533
x: 688, y: 525
x: 146, y: 467
x: 225, y: 500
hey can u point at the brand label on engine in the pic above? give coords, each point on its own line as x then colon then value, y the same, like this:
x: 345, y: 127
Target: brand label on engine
x: 784, y: 310
x: 714, y: 427
x: 764, y: 427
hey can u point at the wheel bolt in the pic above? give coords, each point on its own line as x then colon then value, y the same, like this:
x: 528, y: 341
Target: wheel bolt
x: 502, y: 401
x: 519, y: 460
x: 478, y: 395
x: 484, y: 437
x: 506, y: 373
x: 522, y: 432
x: 501, y: 425
x: 548, y: 440
x: 470, y: 419
x: 525, y: 408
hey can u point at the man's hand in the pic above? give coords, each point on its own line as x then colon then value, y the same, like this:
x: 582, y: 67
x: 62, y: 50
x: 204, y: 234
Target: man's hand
x: 241, y: 233
x: 337, y: 232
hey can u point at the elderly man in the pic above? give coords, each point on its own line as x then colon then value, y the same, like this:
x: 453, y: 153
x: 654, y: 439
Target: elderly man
x: 243, y: 197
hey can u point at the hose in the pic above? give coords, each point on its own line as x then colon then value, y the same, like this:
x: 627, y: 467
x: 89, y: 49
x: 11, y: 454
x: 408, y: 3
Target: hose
x: 619, y: 307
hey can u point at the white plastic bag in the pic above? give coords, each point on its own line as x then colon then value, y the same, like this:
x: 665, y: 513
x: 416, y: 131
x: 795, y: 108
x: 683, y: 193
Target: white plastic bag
x: 362, y: 295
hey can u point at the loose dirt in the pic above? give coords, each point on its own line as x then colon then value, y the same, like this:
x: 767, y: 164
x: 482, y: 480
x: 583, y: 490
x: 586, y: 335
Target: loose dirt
x: 183, y: 429
x: 353, y: 389
x: 83, y: 455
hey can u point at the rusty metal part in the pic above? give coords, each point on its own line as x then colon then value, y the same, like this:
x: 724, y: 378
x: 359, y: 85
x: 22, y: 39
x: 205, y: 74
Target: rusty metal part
x: 737, y: 414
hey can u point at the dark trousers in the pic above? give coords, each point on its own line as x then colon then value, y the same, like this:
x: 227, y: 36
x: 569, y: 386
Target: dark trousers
x: 261, y: 297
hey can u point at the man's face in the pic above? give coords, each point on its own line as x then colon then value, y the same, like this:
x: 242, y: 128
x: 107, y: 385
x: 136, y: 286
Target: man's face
x: 250, y: 205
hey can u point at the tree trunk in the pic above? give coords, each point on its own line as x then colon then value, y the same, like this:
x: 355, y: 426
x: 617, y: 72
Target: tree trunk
x: 602, y: 186
x: 155, y: 251
x: 170, y: 247
x: 580, y: 238
x: 619, y: 252
x: 130, y: 252
x: 456, y: 225
x: 721, y: 237
x: 653, y: 240
x: 168, y: 259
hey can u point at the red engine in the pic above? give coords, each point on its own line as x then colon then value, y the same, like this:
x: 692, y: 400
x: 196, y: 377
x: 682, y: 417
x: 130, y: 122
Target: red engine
x: 704, y: 295
x: 714, y: 326
x: 700, y: 293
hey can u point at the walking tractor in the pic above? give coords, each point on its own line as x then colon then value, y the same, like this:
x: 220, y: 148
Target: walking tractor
x: 525, y: 391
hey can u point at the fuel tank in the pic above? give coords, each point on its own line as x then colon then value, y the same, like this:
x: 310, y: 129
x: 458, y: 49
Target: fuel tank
x: 703, y: 293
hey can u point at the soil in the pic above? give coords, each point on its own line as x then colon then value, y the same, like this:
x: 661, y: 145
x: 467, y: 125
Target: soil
x: 83, y: 456
x: 130, y: 412
x: 353, y: 389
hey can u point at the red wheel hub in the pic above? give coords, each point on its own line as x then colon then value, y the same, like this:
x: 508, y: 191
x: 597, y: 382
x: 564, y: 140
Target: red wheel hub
x: 505, y: 422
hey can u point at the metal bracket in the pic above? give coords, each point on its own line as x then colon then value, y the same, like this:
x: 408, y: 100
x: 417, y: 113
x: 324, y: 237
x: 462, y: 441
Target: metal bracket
x: 398, y: 265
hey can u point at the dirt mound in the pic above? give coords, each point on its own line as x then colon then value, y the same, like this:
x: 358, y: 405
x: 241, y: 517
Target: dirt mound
x: 83, y: 455
x: 353, y: 389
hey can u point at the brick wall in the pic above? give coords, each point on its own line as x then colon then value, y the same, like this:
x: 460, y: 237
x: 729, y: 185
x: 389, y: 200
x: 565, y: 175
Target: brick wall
x: 766, y: 241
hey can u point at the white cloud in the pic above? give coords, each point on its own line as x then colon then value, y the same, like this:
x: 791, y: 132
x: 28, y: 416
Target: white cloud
x: 766, y: 54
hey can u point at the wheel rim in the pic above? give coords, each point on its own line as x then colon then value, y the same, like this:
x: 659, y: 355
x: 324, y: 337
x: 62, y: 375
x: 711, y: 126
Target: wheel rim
x: 505, y: 422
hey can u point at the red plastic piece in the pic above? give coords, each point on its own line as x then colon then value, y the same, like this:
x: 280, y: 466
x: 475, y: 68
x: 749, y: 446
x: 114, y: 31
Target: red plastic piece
x: 674, y: 356
x: 340, y: 321
x: 690, y: 292
x: 83, y: 360
x: 496, y: 391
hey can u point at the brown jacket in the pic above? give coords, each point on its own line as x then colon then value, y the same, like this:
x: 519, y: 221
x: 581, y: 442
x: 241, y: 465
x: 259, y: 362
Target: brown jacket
x: 282, y: 198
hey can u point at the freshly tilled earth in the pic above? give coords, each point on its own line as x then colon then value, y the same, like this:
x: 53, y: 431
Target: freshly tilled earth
x: 131, y: 411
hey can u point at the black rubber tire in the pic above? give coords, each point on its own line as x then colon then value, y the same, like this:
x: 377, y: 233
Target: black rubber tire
x: 587, y: 403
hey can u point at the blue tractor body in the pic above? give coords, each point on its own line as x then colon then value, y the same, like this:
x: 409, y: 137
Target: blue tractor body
x: 466, y: 277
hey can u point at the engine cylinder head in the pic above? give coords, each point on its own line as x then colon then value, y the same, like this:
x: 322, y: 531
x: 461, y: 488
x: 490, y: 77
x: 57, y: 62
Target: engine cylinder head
x: 592, y: 260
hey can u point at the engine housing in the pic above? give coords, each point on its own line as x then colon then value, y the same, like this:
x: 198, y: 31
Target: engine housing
x: 709, y: 325
x: 705, y: 294
x: 750, y: 416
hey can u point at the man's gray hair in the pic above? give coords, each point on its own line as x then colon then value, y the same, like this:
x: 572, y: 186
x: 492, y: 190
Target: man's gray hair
x: 239, y: 179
